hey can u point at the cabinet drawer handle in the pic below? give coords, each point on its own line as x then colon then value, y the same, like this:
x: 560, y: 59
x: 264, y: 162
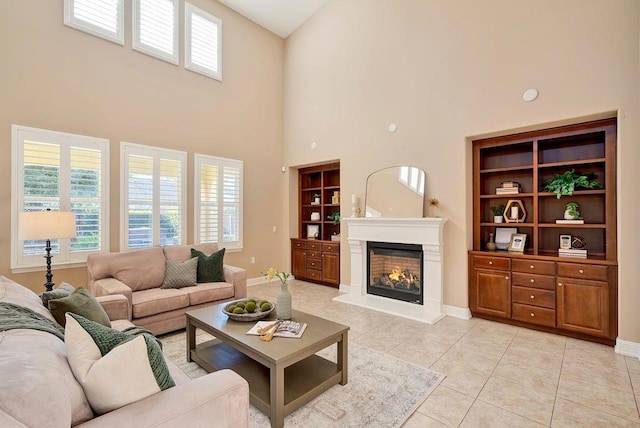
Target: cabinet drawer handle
x: 532, y: 314
x: 313, y: 264
x: 532, y: 266
x: 581, y: 271
x: 559, y: 284
x: 533, y: 297
x: 329, y: 248
x: 506, y: 277
x: 490, y: 262
x: 532, y: 280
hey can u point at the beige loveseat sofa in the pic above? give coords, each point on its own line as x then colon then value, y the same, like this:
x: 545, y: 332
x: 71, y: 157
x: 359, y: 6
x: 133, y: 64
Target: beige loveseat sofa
x: 139, y: 274
x: 39, y: 389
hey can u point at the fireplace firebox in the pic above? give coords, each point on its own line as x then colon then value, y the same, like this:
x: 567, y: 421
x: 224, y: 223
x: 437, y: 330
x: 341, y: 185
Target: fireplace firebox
x: 394, y: 270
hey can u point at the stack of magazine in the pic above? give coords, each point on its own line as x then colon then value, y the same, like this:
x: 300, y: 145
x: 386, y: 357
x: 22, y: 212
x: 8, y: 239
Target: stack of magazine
x: 573, y: 253
x: 285, y: 328
x: 508, y: 188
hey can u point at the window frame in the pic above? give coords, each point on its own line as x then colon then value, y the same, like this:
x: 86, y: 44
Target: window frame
x: 137, y: 45
x: 190, y: 10
x: 157, y: 153
x: 199, y: 160
x: 72, y: 21
x: 65, y: 258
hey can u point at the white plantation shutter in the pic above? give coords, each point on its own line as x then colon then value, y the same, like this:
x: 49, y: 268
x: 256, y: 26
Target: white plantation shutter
x: 203, y: 42
x: 218, y: 197
x: 154, y: 189
x: 102, y: 18
x: 61, y: 172
x: 155, y: 28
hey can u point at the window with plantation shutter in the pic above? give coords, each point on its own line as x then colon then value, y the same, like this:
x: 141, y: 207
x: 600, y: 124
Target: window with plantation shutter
x: 155, y: 28
x: 218, y: 200
x: 102, y: 18
x: 62, y: 172
x: 154, y: 196
x: 203, y: 42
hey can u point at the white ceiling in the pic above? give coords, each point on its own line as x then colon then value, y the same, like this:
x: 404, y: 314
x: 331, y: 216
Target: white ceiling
x: 278, y: 16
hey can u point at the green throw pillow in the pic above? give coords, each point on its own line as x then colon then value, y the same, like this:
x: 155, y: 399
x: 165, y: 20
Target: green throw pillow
x: 62, y: 291
x: 179, y: 274
x: 113, y: 367
x: 210, y: 267
x: 79, y: 302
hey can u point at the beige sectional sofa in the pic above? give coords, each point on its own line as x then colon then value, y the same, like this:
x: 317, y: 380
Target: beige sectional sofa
x: 39, y: 389
x: 139, y: 274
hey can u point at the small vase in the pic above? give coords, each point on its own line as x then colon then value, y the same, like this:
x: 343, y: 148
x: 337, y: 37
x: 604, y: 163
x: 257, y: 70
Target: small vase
x: 491, y: 245
x: 283, y: 303
x: 568, y: 216
x: 497, y: 219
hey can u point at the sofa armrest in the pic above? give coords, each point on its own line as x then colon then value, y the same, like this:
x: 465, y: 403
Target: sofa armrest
x: 238, y: 277
x: 110, y: 286
x: 218, y: 399
x: 116, y: 306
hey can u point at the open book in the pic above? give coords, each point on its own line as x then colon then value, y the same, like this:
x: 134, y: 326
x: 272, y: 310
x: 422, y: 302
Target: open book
x: 285, y: 329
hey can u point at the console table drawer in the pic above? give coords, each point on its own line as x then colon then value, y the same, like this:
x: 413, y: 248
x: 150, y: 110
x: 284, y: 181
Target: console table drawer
x: 313, y: 255
x: 534, y: 296
x: 577, y: 270
x: 532, y: 280
x: 314, y: 274
x: 317, y: 246
x: 331, y: 248
x: 299, y: 244
x: 485, y: 262
x: 534, y: 315
x: 534, y: 266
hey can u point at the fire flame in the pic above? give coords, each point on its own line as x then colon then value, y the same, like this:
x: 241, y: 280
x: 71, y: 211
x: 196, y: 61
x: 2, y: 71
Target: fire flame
x: 398, y: 275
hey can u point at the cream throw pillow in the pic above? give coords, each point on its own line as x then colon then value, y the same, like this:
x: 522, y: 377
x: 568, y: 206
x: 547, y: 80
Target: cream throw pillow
x: 114, y: 368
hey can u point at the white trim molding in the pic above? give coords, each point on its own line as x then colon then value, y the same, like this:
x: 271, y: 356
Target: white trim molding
x: 457, y: 312
x: 628, y: 348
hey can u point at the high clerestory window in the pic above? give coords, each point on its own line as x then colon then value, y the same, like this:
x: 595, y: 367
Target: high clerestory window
x: 62, y: 172
x: 203, y: 42
x: 155, y: 28
x: 102, y: 18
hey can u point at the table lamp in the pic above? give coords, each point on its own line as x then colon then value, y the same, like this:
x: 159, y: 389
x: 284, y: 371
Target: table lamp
x: 47, y: 225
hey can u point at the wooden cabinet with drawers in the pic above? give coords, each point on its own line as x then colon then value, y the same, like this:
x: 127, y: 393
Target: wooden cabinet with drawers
x: 570, y: 298
x: 316, y: 261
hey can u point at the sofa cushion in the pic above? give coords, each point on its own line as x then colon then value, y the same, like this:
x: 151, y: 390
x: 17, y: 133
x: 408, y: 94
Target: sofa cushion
x: 114, y: 368
x: 209, y: 292
x: 139, y: 269
x: 158, y: 300
x: 12, y: 292
x: 79, y: 302
x: 62, y: 291
x: 38, y: 388
x: 210, y: 267
x: 179, y: 274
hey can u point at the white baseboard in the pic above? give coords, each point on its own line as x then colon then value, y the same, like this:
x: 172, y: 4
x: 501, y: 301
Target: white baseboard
x: 457, y: 312
x: 259, y: 280
x: 625, y: 347
x: 344, y: 288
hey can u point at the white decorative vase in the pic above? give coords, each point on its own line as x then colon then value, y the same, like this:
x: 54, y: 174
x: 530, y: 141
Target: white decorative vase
x: 315, y: 216
x: 283, y: 303
x: 568, y: 216
x: 497, y: 219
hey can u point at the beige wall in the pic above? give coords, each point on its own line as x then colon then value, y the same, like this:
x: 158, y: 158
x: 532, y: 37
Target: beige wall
x: 56, y: 77
x: 445, y: 71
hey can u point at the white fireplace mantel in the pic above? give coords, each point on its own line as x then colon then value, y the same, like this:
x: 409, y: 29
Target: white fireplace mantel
x: 427, y: 232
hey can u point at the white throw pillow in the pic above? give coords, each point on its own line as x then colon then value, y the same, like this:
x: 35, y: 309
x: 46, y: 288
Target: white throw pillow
x: 114, y: 368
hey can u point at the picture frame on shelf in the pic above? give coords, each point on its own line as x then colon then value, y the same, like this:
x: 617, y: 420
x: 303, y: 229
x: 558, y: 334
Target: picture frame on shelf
x: 565, y: 242
x: 517, y: 242
x: 313, y: 231
x: 503, y: 237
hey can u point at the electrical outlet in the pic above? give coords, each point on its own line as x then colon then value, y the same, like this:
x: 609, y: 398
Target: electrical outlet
x: 253, y: 259
x: 275, y: 229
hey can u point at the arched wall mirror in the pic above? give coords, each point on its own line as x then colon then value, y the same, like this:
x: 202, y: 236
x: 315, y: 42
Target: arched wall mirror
x: 396, y: 191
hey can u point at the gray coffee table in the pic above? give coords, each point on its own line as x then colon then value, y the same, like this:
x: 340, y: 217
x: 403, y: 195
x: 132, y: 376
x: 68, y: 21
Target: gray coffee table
x: 283, y: 374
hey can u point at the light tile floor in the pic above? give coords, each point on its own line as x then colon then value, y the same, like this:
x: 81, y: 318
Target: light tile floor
x: 497, y: 375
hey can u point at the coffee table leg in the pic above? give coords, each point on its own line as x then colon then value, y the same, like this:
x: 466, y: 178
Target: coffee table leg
x: 343, y: 358
x: 276, y: 391
x: 191, y: 338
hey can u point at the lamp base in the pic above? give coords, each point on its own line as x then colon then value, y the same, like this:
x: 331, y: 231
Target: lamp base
x: 49, y: 284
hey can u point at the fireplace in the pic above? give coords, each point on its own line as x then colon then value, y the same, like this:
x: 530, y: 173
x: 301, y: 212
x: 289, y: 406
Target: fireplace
x: 394, y: 270
x: 423, y: 233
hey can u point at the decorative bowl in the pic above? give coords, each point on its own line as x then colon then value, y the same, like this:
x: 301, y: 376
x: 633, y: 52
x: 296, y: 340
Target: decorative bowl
x: 252, y: 316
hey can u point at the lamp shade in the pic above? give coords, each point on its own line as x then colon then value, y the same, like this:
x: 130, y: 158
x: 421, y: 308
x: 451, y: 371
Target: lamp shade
x: 46, y: 225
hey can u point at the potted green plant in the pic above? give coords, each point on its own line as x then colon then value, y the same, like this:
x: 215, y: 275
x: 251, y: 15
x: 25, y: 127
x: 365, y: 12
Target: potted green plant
x: 498, y: 211
x: 571, y: 211
x: 567, y: 182
x: 335, y: 217
x: 316, y: 199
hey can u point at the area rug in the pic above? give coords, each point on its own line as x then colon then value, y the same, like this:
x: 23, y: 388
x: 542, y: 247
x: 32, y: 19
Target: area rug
x: 382, y: 391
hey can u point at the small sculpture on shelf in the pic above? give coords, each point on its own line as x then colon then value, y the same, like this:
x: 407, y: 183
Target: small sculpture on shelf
x: 514, y: 211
